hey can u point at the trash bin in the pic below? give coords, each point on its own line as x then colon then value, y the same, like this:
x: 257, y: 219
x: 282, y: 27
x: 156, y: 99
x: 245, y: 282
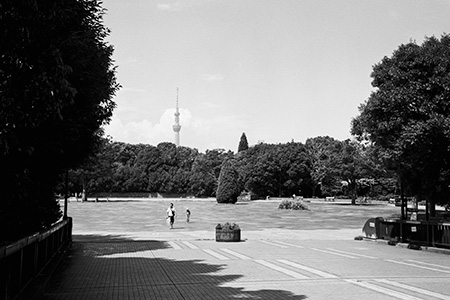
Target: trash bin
x: 389, y: 229
x: 372, y: 228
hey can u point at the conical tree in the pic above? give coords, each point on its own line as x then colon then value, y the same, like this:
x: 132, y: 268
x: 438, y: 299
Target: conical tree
x: 228, y: 188
x: 243, y: 143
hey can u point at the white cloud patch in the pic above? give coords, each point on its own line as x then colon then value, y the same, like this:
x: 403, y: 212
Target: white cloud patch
x: 131, y: 60
x: 132, y: 90
x: 179, y: 5
x: 146, y: 132
x: 212, y: 77
x: 167, y: 6
x: 173, y: 6
x: 212, y: 105
x: 211, y: 133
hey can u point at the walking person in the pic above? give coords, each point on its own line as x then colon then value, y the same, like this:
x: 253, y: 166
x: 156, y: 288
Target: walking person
x: 171, y: 215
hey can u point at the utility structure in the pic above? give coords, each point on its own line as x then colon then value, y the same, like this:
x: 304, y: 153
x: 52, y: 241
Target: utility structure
x: 177, y: 126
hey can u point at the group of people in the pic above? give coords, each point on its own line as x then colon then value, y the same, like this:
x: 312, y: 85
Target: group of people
x: 171, y: 212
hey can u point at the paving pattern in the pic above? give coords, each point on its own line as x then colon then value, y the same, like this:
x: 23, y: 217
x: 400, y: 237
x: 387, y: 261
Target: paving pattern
x: 270, y: 263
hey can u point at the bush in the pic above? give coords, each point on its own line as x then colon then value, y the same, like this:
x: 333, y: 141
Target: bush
x: 293, y: 204
x: 227, y: 226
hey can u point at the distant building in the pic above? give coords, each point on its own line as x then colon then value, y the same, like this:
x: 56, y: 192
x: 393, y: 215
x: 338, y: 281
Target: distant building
x: 177, y: 126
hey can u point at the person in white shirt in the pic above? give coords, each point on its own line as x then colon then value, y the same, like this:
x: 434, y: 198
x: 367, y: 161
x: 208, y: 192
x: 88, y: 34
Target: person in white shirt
x: 171, y: 215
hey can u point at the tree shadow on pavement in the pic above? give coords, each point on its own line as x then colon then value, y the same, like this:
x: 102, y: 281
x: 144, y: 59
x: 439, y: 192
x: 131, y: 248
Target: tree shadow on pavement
x: 115, y: 268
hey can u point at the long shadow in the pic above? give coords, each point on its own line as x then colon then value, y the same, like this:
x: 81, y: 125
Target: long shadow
x: 100, y: 245
x: 115, y: 268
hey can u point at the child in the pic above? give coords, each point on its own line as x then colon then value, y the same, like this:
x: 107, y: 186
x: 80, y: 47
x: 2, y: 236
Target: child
x: 188, y: 215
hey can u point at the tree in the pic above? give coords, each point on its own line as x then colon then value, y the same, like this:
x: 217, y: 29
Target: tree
x: 323, y: 155
x: 256, y: 169
x: 205, y: 172
x: 383, y: 181
x: 352, y: 167
x: 264, y: 176
x: 243, y: 144
x: 407, y: 117
x: 56, y: 86
x: 293, y: 160
x: 273, y: 170
x: 228, y: 188
x: 96, y: 174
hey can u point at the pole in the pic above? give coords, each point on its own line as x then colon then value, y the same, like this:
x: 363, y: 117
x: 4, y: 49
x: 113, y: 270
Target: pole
x: 403, y: 217
x: 66, y: 194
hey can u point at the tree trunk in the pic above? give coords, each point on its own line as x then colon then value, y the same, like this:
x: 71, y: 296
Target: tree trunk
x: 353, y: 192
x: 432, y: 208
x: 314, y: 186
x: 83, y: 194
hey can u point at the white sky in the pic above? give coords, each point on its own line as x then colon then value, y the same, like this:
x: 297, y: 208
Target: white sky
x: 275, y: 69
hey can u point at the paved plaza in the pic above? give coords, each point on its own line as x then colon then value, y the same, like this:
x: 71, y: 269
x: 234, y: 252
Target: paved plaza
x: 130, y: 253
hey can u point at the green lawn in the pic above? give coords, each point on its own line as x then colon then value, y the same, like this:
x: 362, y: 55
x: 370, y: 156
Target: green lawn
x: 150, y: 215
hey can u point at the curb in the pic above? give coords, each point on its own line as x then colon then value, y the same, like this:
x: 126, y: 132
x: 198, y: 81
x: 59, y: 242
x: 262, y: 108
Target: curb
x: 410, y: 246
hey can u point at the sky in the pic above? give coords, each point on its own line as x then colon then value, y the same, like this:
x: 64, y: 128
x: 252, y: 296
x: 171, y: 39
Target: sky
x: 276, y: 70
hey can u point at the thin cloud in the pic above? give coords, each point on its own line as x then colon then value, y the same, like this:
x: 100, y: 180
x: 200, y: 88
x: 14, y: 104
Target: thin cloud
x: 134, y: 90
x: 129, y: 61
x: 179, y: 5
x: 212, y: 77
x: 169, y: 7
x: 212, y: 105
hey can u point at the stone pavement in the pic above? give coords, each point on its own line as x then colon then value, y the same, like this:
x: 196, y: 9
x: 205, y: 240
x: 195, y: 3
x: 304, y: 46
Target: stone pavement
x: 124, y: 250
x: 266, y: 264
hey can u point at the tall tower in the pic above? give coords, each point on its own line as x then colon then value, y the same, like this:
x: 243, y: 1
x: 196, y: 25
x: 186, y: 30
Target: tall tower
x: 177, y: 126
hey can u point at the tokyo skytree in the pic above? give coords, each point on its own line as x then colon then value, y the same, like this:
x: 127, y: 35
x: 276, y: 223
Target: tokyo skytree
x: 177, y: 126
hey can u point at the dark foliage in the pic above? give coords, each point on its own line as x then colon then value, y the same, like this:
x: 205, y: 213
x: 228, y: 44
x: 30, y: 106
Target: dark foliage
x: 56, y: 84
x: 228, y: 188
x: 243, y: 143
x: 274, y: 170
x: 407, y: 117
x: 263, y: 170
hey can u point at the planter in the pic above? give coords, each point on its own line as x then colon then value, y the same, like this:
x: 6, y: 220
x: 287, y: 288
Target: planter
x: 228, y: 233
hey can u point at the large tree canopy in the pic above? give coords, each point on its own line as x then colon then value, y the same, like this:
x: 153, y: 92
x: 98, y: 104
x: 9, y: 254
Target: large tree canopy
x: 273, y: 170
x: 56, y: 84
x: 407, y: 117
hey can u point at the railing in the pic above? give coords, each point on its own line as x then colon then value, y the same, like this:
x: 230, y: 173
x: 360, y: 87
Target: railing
x: 23, y: 260
x: 426, y: 233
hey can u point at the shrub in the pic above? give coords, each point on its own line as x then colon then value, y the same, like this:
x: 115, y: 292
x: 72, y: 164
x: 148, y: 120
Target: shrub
x: 293, y: 204
x: 227, y: 226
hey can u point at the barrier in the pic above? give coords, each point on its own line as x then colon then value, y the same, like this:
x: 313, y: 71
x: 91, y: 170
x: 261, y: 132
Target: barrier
x: 426, y: 233
x: 23, y: 260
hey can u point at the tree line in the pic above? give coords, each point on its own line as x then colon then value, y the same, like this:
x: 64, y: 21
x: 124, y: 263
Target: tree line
x: 323, y: 166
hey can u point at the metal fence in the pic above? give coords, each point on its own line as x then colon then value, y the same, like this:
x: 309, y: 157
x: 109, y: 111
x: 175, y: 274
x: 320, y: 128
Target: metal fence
x: 425, y: 233
x: 23, y: 260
